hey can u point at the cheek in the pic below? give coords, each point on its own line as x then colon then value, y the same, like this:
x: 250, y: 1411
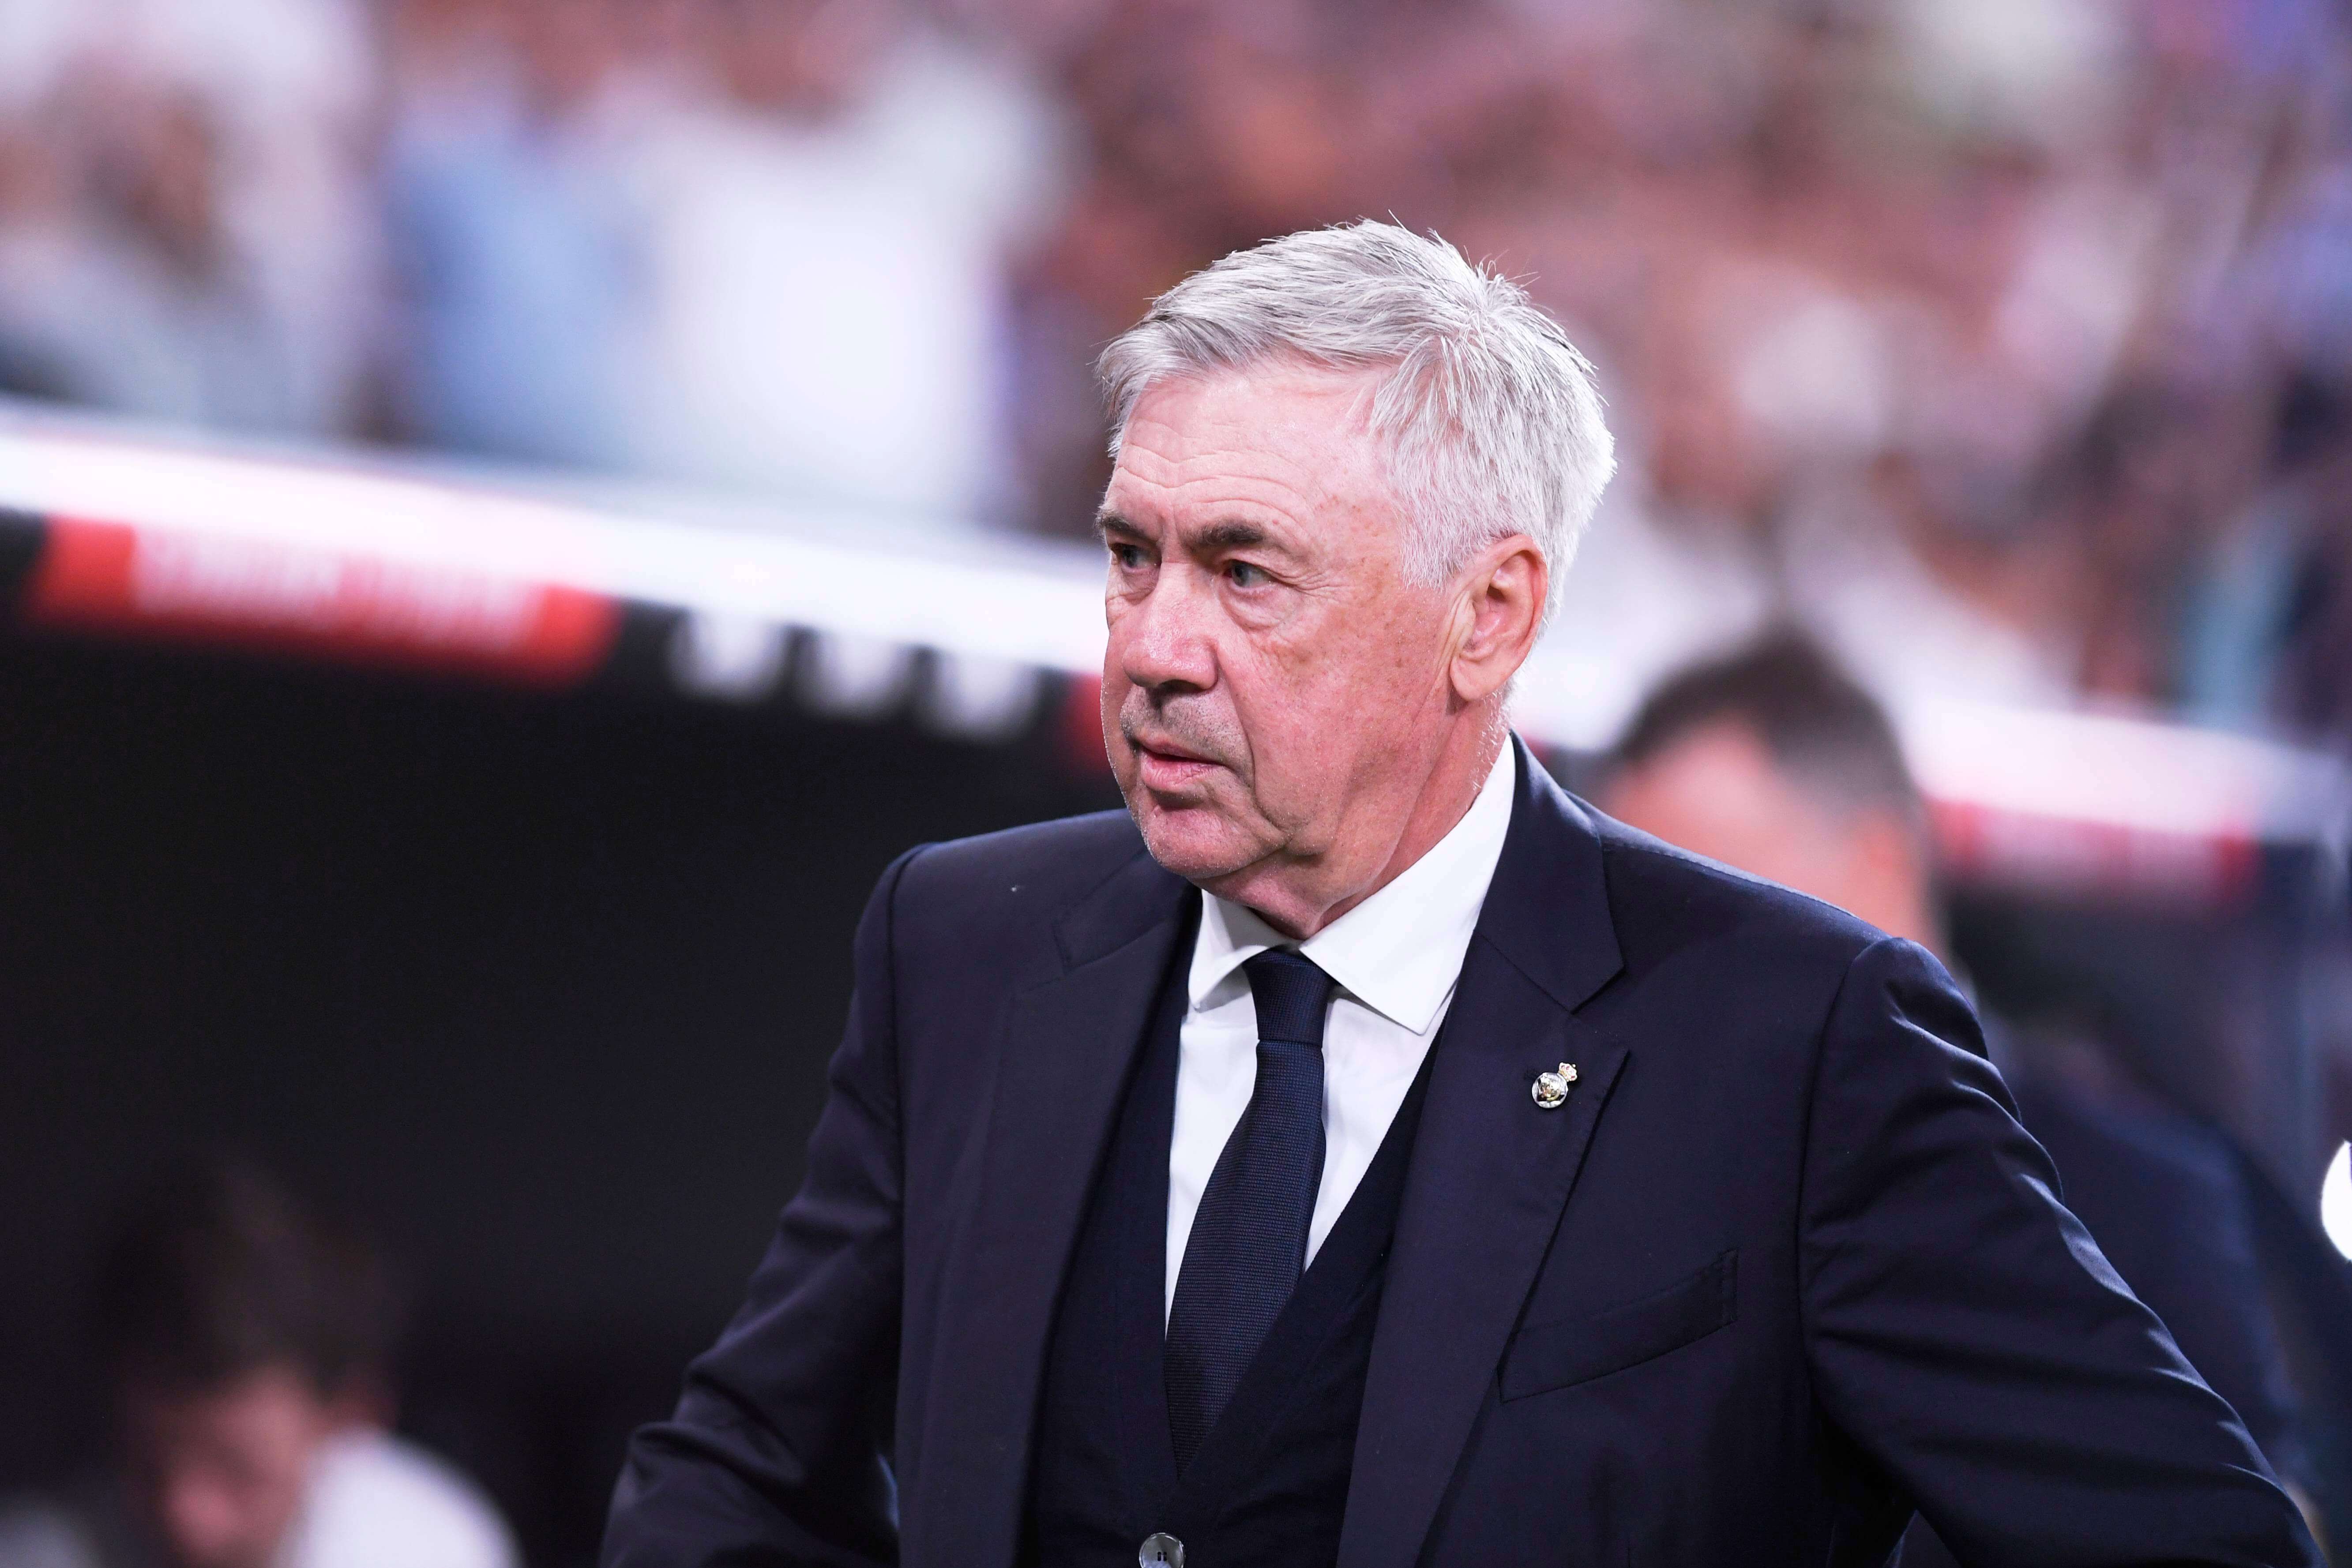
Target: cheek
x: 1113, y: 694
x: 217, y: 1514
x: 1300, y: 728
x: 1111, y: 701
x: 1353, y: 689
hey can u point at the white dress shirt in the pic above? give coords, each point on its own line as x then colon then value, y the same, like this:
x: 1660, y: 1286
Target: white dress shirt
x: 1395, y: 958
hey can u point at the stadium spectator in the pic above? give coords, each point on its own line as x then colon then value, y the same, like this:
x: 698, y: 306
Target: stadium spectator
x: 751, y: 254
x: 515, y: 264
x: 246, y: 1342
x: 185, y: 229
x: 1772, y: 760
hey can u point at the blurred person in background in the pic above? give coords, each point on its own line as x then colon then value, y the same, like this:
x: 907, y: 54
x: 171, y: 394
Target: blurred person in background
x: 748, y: 244
x: 828, y: 222
x: 246, y: 1343
x: 518, y: 285
x: 185, y: 233
x: 1773, y: 761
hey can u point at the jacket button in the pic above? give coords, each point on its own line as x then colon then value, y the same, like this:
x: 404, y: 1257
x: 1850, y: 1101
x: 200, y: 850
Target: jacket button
x: 1161, y: 1550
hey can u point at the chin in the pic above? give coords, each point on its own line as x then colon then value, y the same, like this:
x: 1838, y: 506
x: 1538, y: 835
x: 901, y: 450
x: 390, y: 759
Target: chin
x: 1193, y: 843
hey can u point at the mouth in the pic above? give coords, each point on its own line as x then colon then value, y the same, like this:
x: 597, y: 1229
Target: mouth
x: 1164, y: 765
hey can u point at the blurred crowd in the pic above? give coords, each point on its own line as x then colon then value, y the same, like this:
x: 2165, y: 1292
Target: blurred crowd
x: 2048, y: 302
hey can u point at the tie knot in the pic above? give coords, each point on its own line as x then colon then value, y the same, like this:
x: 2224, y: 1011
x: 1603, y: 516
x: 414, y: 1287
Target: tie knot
x: 1291, y: 995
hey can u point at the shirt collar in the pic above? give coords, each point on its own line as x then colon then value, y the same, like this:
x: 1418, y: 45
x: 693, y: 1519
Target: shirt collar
x: 1401, y: 950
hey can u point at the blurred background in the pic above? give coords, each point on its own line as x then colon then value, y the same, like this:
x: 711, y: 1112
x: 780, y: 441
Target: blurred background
x: 517, y: 509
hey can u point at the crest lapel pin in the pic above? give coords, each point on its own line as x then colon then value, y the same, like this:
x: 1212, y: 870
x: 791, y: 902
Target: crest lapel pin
x: 1550, y: 1089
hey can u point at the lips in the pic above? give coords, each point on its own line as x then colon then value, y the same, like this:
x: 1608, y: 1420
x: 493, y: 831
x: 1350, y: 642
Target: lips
x: 1164, y: 765
x: 1166, y: 750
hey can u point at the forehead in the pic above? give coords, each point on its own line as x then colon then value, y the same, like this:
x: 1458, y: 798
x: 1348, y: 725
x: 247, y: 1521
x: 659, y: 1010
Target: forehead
x: 1290, y: 441
x: 257, y: 1406
x: 1717, y: 777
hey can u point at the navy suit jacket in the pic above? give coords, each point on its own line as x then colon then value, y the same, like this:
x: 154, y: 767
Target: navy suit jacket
x: 1782, y: 1266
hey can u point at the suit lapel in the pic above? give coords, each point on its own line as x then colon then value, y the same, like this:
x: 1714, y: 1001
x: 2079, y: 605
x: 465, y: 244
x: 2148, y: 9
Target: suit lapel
x: 1069, y: 1049
x: 1491, y: 1170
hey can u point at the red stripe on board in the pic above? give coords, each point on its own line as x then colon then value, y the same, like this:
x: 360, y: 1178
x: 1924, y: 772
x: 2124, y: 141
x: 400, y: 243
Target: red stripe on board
x: 112, y: 577
x: 2070, y: 857
x: 1081, y: 729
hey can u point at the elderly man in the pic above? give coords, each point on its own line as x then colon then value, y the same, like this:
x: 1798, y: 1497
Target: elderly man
x: 1361, y: 1152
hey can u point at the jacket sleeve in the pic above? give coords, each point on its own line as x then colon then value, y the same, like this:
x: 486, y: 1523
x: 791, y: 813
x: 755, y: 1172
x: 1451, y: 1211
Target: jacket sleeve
x: 1965, y: 1331
x: 776, y: 1453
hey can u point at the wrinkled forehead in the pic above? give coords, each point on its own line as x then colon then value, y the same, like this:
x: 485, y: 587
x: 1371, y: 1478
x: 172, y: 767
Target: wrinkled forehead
x: 1282, y: 439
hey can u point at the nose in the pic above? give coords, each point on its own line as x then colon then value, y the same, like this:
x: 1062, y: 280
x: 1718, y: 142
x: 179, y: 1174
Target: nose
x: 1163, y: 641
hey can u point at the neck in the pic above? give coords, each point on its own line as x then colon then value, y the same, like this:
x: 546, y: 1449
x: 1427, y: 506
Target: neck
x: 1464, y: 760
x: 1914, y: 916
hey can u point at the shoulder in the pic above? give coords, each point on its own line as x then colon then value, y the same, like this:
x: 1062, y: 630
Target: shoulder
x: 1744, y: 969
x: 380, y: 1502
x: 1664, y: 899
x: 954, y: 923
x: 1043, y: 867
x: 1754, y: 947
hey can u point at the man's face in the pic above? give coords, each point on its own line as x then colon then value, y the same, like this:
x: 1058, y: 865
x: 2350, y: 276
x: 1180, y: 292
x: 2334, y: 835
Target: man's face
x: 1275, y: 687
x: 221, y: 1474
x: 1718, y: 792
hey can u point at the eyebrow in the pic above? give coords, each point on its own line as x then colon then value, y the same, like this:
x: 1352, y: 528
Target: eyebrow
x: 1229, y: 533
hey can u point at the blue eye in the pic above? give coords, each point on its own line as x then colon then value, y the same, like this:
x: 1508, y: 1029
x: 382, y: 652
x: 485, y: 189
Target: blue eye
x: 1127, y: 556
x: 1242, y: 574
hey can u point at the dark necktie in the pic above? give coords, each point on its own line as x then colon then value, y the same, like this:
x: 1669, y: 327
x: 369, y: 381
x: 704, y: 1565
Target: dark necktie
x: 1248, y: 1242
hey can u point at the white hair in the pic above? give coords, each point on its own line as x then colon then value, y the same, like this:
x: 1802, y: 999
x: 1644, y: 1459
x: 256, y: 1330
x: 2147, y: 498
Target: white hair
x: 1488, y: 414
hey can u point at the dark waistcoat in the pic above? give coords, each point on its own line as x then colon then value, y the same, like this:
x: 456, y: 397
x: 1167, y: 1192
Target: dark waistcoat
x: 1270, y: 1482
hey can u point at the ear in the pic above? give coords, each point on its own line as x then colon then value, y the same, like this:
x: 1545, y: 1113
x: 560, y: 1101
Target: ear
x: 1498, y: 615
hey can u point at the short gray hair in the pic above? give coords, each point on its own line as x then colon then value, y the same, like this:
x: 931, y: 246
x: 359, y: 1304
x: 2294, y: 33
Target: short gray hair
x: 1489, y: 415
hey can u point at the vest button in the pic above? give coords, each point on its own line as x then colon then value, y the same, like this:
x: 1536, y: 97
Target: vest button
x: 1161, y: 1550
